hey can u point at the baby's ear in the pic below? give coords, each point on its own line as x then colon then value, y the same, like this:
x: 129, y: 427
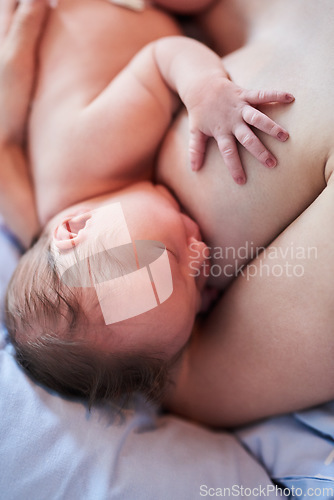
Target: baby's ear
x: 71, y: 231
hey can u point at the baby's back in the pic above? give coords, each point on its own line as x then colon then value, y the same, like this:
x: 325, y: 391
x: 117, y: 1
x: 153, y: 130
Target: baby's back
x: 288, y: 48
x: 86, y: 44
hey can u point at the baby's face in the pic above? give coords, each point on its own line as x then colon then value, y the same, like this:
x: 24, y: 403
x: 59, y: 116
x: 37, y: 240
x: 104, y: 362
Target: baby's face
x: 150, y: 297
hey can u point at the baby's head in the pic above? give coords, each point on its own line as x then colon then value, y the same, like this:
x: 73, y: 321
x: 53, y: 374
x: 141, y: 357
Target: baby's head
x: 104, y: 303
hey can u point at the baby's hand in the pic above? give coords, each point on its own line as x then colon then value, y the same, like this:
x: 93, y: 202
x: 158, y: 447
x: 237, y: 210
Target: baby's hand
x: 222, y: 110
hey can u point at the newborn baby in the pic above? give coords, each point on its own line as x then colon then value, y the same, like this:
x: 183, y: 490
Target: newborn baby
x: 104, y: 302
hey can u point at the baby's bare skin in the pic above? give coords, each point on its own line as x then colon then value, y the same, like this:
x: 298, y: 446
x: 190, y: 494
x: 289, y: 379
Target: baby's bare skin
x: 269, y: 343
x: 77, y: 63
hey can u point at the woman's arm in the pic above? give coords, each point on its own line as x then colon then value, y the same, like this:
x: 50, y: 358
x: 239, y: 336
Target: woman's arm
x: 21, y: 29
x: 268, y: 346
x: 17, y: 203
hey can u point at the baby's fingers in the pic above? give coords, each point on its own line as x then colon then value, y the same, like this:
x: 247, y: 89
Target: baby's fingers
x: 253, y: 144
x: 229, y: 152
x: 262, y: 122
x: 197, y: 147
x: 266, y: 96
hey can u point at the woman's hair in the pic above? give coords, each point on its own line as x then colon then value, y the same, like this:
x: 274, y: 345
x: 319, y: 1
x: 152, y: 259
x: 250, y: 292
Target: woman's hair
x: 47, y: 326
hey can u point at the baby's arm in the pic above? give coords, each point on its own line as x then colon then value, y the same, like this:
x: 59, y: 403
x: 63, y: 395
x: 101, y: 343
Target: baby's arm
x: 217, y: 107
x: 137, y: 106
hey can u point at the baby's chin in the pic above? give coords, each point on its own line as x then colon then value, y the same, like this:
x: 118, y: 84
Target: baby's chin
x: 201, y: 280
x: 191, y: 227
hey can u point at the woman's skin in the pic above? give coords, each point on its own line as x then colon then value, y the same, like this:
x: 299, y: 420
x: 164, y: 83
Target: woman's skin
x: 19, y: 39
x: 268, y: 345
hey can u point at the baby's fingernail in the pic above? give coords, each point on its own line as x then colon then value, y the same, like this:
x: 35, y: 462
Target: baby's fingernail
x: 282, y: 136
x: 289, y: 97
x: 240, y: 180
x: 271, y: 163
x: 193, y: 165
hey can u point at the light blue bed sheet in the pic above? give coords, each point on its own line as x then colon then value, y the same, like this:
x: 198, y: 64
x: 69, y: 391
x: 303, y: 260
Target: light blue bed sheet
x: 54, y: 449
x: 297, y: 450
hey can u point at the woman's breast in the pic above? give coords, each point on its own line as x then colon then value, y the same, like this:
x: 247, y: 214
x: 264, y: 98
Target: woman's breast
x: 252, y: 215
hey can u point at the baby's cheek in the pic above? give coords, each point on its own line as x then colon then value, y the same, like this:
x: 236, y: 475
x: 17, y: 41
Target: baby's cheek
x: 188, y: 302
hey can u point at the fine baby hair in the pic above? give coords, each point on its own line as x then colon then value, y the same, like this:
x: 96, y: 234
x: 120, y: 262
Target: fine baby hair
x: 56, y: 340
